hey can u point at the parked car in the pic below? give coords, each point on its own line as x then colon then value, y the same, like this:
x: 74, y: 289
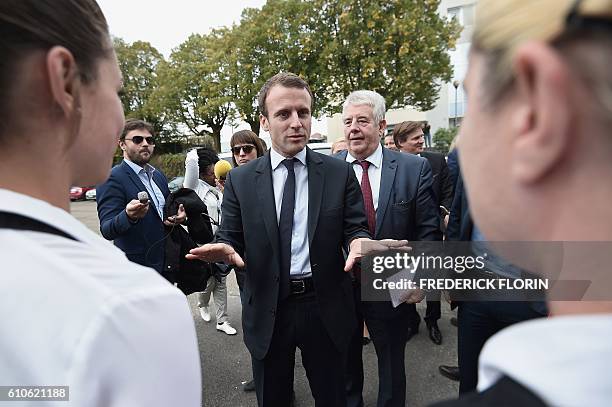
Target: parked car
x: 176, y: 183
x: 78, y: 193
x: 90, y: 195
x: 323, y: 148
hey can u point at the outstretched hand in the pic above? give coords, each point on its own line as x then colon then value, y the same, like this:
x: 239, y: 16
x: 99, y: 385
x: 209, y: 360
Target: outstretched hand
x: 363, y: 246
x: 216, y: 253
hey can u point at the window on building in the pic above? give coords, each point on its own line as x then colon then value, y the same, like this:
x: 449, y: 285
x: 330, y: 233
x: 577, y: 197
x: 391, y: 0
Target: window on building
x: 464, y: 14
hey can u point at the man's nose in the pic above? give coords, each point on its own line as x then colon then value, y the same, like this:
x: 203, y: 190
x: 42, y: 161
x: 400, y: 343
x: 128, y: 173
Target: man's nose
x: 353, y: 127
x: 295, y: 120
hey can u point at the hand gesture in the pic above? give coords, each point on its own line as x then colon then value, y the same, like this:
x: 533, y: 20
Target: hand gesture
x: 363, y: 246
x: 216, y: 253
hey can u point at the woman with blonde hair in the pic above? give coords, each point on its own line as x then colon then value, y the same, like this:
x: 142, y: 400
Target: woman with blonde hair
x: 536, y: 143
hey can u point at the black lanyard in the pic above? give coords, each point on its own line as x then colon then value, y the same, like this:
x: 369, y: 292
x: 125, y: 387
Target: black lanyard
x: 19, y: 222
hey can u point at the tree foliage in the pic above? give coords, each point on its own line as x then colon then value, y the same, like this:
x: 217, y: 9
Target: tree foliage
x: 193, y: 87
x: 443, y: 139
x: 395, y: 47
x: 269, y: 40
x: 138, y: 63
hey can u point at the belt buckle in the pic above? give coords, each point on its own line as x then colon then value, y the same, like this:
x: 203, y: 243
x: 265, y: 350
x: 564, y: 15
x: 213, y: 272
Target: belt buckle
x: 301, y: 287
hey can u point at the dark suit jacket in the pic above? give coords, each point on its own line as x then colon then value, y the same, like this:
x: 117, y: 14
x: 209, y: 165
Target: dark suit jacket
x: 406, y: 209
x: 452, y: 161
x: 143, y: 241
x: 460, y: 223
x: 335, y: 217
x: 442, y: 184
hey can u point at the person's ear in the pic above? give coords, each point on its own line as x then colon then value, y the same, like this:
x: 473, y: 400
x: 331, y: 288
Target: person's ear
x: 381, y: 127
x: 541, y: 123
x: 122, y: 145
x: 263, y: 122
x: 64, y: 81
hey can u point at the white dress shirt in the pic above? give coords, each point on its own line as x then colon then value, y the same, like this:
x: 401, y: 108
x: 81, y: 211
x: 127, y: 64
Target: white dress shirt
x: 374, y: 171
x: 79, y: 314
x: 564, y: 360
x: 146, y: 176
x: 300, y: 252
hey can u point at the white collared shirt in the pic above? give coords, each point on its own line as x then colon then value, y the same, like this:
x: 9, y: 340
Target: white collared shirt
x: 79, y: 314
x: 300, y: 252
x: 374, y: 171
x: 146, y: 176
x: 564, y: 360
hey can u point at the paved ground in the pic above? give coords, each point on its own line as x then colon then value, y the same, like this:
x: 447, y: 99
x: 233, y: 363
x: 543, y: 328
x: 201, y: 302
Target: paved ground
x: 226, y: 362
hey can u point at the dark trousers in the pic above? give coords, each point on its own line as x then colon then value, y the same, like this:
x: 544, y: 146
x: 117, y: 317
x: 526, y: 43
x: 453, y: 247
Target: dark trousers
x: 478, y: 321
x: 389, y: 337
x: 354, y: 361
x: 298, y: 324
x: 432, y: 313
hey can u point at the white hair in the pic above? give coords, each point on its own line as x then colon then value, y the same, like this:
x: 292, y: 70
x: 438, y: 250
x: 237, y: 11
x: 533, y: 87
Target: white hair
x: 369, y: 98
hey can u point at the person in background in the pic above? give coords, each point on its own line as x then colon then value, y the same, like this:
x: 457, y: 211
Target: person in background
x: 541, y: 69
x: 427, y: 134
x: 338, y: 146
x: 409, y: 138
x: 399, y: 204
x: 245, y: 146
x: 200, y: 176
x: 75, y: 311
x: 389, y: 143
x: 135, y: 226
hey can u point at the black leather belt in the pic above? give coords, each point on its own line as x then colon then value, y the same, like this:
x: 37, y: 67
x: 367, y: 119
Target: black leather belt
x: 301, y: 286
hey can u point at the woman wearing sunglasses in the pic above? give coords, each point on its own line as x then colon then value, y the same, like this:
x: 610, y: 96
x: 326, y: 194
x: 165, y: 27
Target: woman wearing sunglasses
x: 245, y: 147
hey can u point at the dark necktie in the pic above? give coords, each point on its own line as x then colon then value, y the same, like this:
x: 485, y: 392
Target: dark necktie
x: 368, y: 201
x: 285, y: 227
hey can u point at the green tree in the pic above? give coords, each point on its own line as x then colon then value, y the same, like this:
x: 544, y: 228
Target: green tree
x: 192, y: 88
x: 276, y: 38
x: 138, y: 63
x: 443, y: 138
x: 395, y: 47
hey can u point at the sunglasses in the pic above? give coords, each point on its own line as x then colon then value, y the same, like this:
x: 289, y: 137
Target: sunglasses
x: 140, y: 139
x: 247, y: 148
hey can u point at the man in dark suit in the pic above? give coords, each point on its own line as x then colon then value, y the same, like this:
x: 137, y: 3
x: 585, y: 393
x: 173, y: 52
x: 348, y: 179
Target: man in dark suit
x: 136, y: 227
x: 409, y: 138
x: 399, y: 204
x: 480, y: 320
x: 289, y: 214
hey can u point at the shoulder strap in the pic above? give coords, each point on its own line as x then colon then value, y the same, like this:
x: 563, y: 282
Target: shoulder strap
x: 19, y: 222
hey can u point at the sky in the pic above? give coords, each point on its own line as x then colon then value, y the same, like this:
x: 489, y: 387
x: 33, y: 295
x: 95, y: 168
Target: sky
x: 167, y: 24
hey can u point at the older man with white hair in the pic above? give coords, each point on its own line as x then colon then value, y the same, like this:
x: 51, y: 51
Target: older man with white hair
x: 399, y: 204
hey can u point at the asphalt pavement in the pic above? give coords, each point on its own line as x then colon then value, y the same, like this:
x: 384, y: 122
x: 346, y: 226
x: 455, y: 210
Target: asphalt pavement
x: 226, y: 361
